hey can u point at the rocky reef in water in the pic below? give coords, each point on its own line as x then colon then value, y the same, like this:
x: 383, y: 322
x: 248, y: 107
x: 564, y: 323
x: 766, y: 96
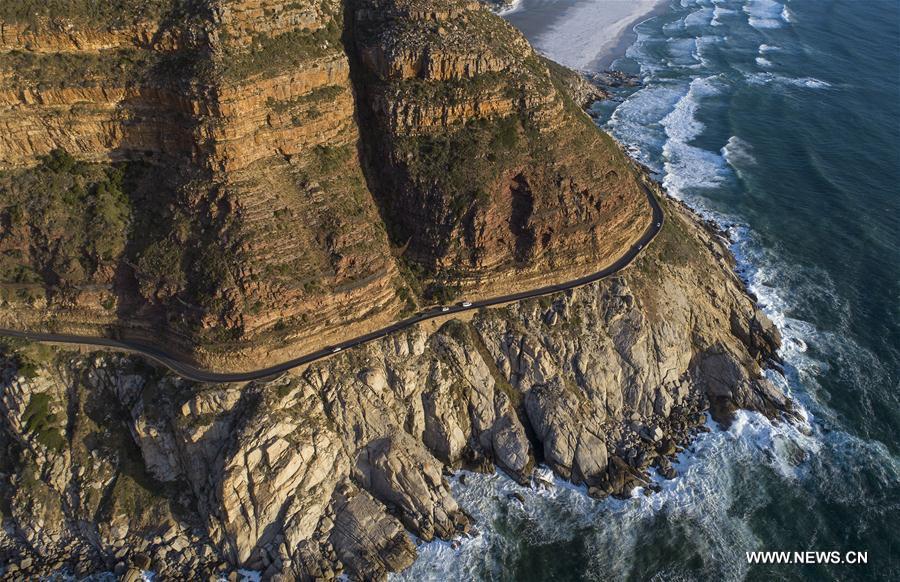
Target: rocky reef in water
x: 111, y: 464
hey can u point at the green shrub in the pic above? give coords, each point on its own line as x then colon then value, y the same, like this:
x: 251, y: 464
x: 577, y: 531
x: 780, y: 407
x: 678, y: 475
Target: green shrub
x: 96, y: 12
x: 79, y: 69
x: 460, y: 164
x: 43, y: 424
x: 330, y: 159
x: 272, y: 54
x: 159, y: 268
x: 75, y: 217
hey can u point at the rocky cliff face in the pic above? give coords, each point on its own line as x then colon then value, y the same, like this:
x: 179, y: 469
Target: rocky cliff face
x: 246, y: 211
x: 477, y: 153
x: 109, y: 463
x: 281, y: 174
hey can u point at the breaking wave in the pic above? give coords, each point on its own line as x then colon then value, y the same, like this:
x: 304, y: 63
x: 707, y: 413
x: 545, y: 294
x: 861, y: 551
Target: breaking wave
x: 785, y: 81
x: 738, y: 153
x: 686, y: 166
x: 765, y: 14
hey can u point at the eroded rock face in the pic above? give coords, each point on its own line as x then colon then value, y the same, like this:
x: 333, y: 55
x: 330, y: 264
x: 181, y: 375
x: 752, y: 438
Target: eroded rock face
x: 471, y: 138
x: 270, y: 162
x: 328, y: 470
x: 246, y: 208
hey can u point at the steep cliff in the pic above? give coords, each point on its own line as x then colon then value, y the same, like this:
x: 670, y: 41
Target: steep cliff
x: 485, y: 168
x: 230, y: 130
x: 247, y: 180
x: 112, y: 464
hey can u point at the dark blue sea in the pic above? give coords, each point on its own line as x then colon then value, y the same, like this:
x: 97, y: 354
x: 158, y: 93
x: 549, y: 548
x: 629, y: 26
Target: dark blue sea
x: 780, y: 120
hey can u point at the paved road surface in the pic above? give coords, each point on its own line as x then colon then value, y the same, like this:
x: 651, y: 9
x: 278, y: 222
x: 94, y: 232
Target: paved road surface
x: 192, y: 372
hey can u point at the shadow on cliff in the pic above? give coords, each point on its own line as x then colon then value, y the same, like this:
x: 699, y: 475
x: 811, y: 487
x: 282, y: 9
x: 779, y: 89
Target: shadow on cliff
x: 380, y: 181
x: 176, y: 255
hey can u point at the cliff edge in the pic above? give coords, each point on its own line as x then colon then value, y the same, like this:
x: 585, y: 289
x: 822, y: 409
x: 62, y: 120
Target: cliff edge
x: 111, y: 464
x: 246, y: 181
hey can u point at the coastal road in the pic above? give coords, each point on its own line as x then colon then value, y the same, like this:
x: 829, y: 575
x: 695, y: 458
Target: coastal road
x: 195, y: 373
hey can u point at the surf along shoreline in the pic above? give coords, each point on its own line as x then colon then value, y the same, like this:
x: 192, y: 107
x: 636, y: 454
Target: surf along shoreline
x: 582, y: 34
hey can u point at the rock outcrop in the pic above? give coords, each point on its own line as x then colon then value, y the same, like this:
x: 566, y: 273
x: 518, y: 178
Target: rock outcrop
x: 111, y: 464
x: 477, y: 153
x: 244, y: 181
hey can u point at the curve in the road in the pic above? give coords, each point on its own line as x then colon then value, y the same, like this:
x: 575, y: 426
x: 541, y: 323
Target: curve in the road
x: 192, y: 372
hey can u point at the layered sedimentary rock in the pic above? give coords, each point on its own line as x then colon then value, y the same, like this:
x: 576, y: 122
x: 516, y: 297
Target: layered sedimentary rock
x: 111, y: 464
x: 482, y: 162
x: 264, y: 154
x: 249, y: 217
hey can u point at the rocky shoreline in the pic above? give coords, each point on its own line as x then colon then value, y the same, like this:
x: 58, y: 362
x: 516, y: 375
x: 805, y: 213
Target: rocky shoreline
x: 323, y: 472
x: 501, y: 6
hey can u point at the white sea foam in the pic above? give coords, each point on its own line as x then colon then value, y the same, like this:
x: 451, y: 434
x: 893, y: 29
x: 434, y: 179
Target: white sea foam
x: 709, y: 475
x: 686, y: 166
x: 639, y: 53
x: 682, y: 51
x: 718, y: 13
x: 781, y: 289
x: 763, y: 62
x: 637, y: 121
x: 245, y: 576
x: 673, y: 27
x: 514, y: 6
x: 763, y: 14
x: 788, y: 15
x: 699, y: 18
x: 813, y: 83
x: 738, y: 153
x: 802, y: 82
x: 703, y: 45
x: 681, y: 123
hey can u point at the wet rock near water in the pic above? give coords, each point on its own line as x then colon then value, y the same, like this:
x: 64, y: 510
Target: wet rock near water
x: 112, y: 465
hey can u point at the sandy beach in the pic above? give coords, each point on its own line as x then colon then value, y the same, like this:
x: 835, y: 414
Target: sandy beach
x: 582, y: 34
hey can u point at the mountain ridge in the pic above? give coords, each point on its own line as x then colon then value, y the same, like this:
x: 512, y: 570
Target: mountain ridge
x: 280, y: 223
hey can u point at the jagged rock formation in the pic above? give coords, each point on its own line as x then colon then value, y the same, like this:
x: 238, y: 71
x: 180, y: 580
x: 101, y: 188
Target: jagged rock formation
x: 498, y: 5
x: 110, y: 464
x: 238, y: 169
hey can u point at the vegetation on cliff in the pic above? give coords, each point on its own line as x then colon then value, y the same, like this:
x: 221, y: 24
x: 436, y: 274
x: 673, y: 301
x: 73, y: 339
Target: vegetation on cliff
x: 65, y: 224
x: 478, y: 157
x: 90, y: 12
x: 272, y: 176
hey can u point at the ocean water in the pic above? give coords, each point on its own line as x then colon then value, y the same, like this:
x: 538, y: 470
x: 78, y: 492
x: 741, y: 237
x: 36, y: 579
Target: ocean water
x: 780, y: 120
